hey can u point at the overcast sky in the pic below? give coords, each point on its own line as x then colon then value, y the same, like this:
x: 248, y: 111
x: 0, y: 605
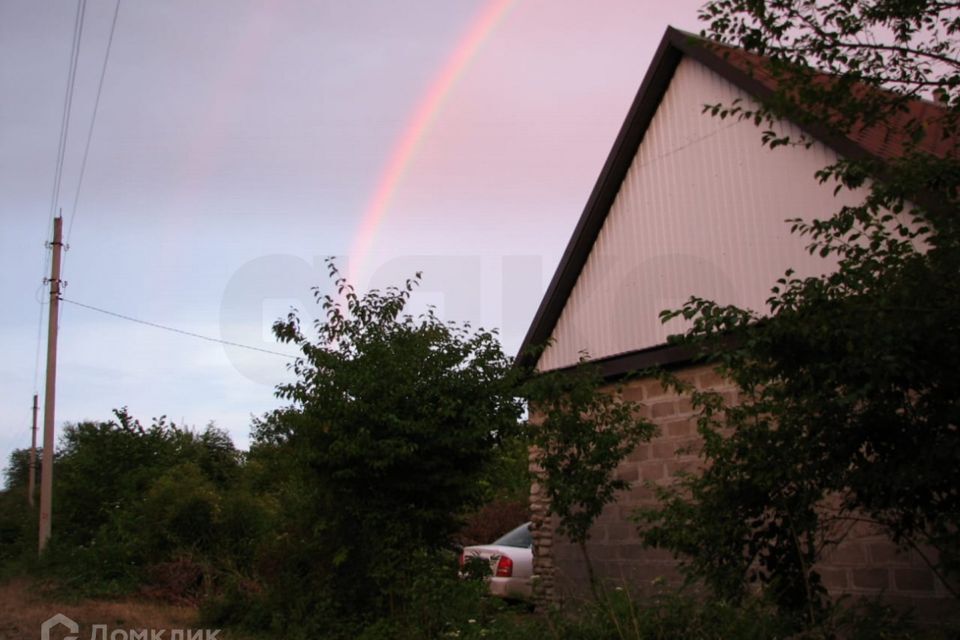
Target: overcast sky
x: 238, y: 143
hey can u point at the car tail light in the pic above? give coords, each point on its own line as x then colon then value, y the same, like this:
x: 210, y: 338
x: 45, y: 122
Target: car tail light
x: 463, y: 559
x: 504, y: 567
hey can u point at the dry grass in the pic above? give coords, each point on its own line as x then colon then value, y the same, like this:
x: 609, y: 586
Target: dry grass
x: 25, y: 605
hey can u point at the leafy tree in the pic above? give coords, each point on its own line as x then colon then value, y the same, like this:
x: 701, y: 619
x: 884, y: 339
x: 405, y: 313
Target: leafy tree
x: 579, y: 435
x: 17, y: 472
x: 119, y: 508
x: 182, y: 506
x: 848, y: 408
x: 18, y: 522
x: 394, y: 421
x: 104, y: 468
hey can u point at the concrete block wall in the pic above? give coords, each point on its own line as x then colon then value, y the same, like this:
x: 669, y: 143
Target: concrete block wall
x: 865, y: 564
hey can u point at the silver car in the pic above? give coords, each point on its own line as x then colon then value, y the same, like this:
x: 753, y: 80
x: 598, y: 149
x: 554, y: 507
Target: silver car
x: 511, y: 563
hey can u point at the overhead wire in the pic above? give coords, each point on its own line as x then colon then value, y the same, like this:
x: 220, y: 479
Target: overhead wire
x: 175, y: 330
x: 68, y: 105
x: 93, y: 120
x: 58, y: 178
x: 58, y: 169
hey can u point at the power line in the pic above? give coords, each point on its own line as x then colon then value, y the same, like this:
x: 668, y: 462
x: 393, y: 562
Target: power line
x: 180, y: 331
x: 68, y: 104
x: 61, y: 152
x: 93, y: 120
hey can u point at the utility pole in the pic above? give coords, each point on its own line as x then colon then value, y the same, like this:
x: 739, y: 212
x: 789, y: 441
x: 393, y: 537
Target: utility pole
x: 50, y: 396
x: 32, y: 482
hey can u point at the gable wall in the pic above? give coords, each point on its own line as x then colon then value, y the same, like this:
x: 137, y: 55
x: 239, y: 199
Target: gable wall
x: 701, y: 212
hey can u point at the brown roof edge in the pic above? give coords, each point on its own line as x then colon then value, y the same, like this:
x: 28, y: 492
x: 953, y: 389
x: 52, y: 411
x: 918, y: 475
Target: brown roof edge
x: 712, y: 56
x: 622, y: 365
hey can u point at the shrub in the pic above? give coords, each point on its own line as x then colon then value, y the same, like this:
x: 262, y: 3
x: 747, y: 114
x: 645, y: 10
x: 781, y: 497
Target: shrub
x: 393, y: 424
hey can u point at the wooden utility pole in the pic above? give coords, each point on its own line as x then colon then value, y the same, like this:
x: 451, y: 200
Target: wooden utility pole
x: 50, y: 396
x: 32, y: 482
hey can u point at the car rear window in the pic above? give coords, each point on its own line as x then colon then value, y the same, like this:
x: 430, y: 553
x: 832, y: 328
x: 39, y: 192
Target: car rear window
x: 519, y: 537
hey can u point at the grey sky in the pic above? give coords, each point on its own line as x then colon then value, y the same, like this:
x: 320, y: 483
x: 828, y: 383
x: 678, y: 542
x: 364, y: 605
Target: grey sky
x: 237, y: 144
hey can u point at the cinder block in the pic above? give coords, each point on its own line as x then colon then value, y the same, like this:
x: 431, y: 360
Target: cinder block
x: 664, y: 450
x: 618, y: 532
x: 635, y: 495
x: 610, y: 513
x: 914, y: 580
x: 678, y: 428
x: 871, y: 578
x: 834, y: 579
x: 633, y: 392
x: 710, y: 379
x: 626, y: 511
x: 689, y: 446
x: 628, y: 472
x: 663, y: 409
x: 652, y: 470
x: 847, y: 554
x: 646, y: 555
x: 602, y: 551
x: 685, y: 465
x: 653, y: 389
x: 641, y: 453
x: 887, y: 553
x: 643, y: 411
x: 932, y: 557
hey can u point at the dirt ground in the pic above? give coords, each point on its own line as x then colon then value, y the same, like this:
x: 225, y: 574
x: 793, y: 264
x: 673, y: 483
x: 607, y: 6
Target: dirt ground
x: 24, y: 607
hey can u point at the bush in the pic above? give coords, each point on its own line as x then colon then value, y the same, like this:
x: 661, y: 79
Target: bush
x: 670, y: 615
x: 393, y: 426
x: 183, y: 509
x: 18, y: 529
x: 130, y: 503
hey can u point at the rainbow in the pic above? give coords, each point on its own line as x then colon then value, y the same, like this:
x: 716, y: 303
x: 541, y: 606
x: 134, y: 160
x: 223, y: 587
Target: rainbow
x: 415, y: 130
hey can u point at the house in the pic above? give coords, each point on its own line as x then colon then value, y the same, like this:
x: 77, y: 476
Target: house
x: 688, y: 204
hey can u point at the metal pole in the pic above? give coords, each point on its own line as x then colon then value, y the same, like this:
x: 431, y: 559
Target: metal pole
x: 32, y: 481
x: 50, y: 396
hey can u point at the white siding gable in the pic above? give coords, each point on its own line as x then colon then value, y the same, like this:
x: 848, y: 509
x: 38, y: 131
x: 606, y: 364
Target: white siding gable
x: 700, y: 212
